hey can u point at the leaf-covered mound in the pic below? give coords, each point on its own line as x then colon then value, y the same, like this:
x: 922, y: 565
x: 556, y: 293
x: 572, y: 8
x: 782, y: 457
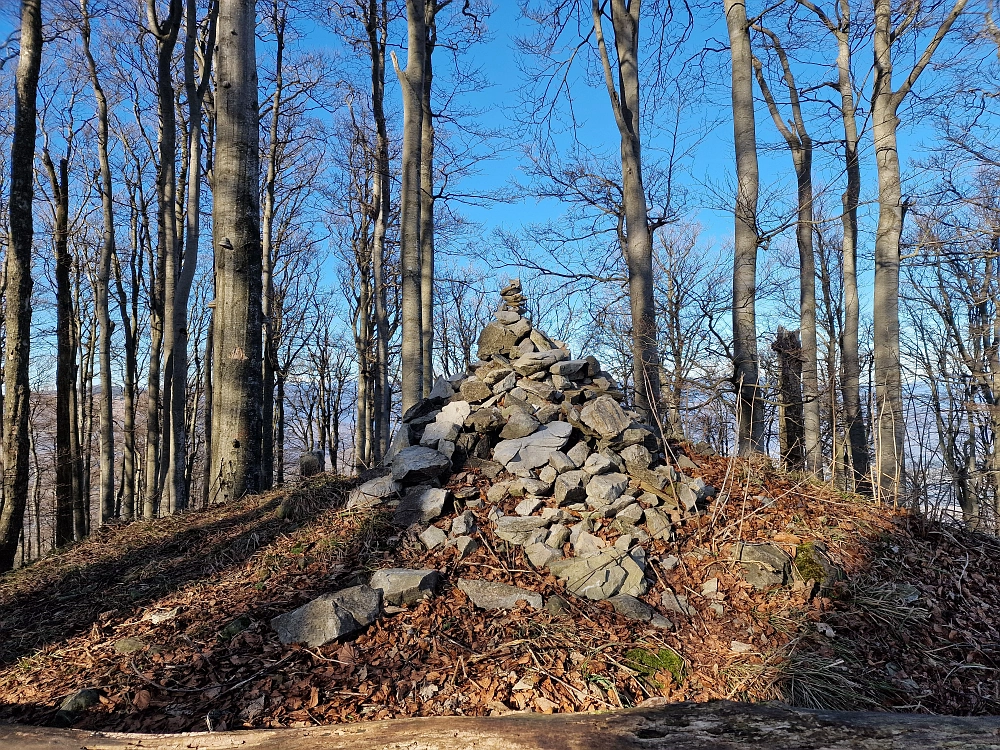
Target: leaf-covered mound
x: 166, y: 623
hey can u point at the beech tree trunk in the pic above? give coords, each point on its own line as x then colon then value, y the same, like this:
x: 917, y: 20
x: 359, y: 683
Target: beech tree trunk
x: 237, y: 387
x: 800, y: 146
x: 411, y: 83
x: 107, y: 425
x: 749, y: 406
x: 427, y: 202
x: 162, y: 282
x: 891, y: 430
x: 625, y: 17
x: 17, y: 342
x: 790, y: 407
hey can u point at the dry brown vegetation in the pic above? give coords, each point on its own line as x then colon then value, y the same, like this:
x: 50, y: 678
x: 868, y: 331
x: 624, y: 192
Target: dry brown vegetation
x: 908, y: 628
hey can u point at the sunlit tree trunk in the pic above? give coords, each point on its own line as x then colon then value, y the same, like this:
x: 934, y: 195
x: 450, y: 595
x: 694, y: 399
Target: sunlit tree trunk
x: 236, y: 372
x: 17, y: 342
x: 749, y: 405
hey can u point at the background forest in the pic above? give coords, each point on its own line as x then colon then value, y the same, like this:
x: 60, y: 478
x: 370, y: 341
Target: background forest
x: 779, y: 232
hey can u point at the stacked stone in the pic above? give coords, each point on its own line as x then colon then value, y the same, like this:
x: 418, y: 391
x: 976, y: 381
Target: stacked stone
x: 577, y: 461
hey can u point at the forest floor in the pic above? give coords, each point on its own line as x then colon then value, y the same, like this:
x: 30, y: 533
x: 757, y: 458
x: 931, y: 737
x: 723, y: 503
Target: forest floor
x: 168, y: 620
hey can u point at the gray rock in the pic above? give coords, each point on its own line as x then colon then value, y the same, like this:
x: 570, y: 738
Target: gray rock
x: 630, y: 515
x: 528, y: 506
x: 548, y: 474
x: 421, y: 411
x: 484, y: 420
x: 518, y: 529
x: 524, y: 346
x: 401, y: 586
x: 418, y: 462
x: 498, y: 491
x: 329, y: 617
x: 606, y: 488
x: 658, y: 524
x: 543, y: 392
x: 441, y: 391
x: 454, y: 412
x: 578, y: 454
x: 587, y: 545
x: 493, y: 372
x: 675, y: 603
x: 507, y: 317
x: 373, y: 492
x: 531, y: 362
x: 420, y: 505
x: 311, y: 463
x: 536, y: 487
x: 433, y: 537
x: 495, y: 339
x: 494, y: 595
x: 770, y: 555
x: 475, y: 390
x: 521, y: 328
x: 603, y: 576
x: 636, y: 457
x: 597, y: 463
x: 540, y: 554
x: 437, y: 431
x: 632, y: 608
x: 401, y: 439
x: 506, y: 384
x: 81, y: 700
x: 561, y: 462
x: 466, y: 546
x: 605, y: 416
x: 570, y: 487
x: 558, y: 536
x: 569, y: 368
x: 535, y: 449
x: 463, y: 524
x: 686, y: 464
x: 540, y: 340
x: 519, y: 425
x: 561, y: 383
x: 670, y: 562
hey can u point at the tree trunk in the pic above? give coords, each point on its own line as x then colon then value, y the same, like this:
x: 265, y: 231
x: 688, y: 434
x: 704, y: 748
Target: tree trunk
x: 857, y: 431
x: 236, y: 401
x: 427, y: 202
x: 749, y: 404
x: 67, y: 484
x: 790, y: 415
x: 17, y: 342
x: 376, y: 23
x: 278, y: 18
x: 279, y: 429
x: 411, y: 83
x: 107, y: 429
x: 206, y: 474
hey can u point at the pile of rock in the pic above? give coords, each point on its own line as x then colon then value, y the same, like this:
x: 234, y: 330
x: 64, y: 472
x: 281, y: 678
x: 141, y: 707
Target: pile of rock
x: 585, y: 470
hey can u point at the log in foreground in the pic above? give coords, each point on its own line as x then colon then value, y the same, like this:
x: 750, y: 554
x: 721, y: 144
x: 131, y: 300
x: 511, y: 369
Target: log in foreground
x: 720, y: 725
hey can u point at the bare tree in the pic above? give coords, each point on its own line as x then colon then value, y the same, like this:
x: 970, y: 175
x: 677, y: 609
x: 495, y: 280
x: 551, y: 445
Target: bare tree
x: 235, y: 454
x: 889, y: 446
x: 745, y: 360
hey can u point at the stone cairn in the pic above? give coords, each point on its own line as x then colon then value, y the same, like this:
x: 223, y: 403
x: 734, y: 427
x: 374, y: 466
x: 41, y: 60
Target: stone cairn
x: 548, y: 430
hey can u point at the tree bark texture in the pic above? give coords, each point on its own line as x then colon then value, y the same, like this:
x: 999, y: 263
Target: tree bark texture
x: 749, y: 406
x: 673, y: 726
x: 427, y: 202
x: 891, y: 430
x: 411, y: 83
x: 800, y: 146
x: 16, y: 439
x: 625, y: 18
x: 791, y: 423
x: 107, y: 424
x: 237, y: 387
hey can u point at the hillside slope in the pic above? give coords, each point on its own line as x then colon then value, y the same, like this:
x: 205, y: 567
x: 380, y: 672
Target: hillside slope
x: 166, y: 624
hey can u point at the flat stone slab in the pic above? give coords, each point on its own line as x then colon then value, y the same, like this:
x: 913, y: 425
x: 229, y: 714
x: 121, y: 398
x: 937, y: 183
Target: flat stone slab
x: 494, y: 595
x: 401, y: 586
x: 418, y: 462
x: 535, y: 449
x: 329, y: 617
x: 373, y: 492
x: 605, y: 416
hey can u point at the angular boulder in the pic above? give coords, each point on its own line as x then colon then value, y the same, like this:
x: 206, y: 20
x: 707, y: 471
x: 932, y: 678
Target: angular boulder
x: 419, y: 462
x: 401, y: 586
x: 494, y: 595
x: 329, y: 617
